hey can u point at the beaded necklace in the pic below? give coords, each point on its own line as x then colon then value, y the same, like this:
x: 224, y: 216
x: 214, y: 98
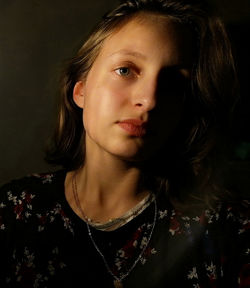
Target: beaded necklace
x: 117, y: 280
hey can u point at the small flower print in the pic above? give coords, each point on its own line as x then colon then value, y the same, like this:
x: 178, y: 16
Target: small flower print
x: 163, y: 214
x: 185, y: 218
x: 244, y: 276
x: 211, y: 272
x: 193, y: 274
x: 21, y: 206
x: 174, y: 226
x: 2, y: 205
x: 196, y: 219
x: 245, y: 225
x: 143, y: 242
x: 49, y: 217
x: 125, y: 254
x: 149, y: 251
x: 46, y: 178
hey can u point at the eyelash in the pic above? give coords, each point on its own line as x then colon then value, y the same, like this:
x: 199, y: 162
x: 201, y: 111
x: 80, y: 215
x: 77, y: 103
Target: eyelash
x: 131, y: 72
x: 118, y: 71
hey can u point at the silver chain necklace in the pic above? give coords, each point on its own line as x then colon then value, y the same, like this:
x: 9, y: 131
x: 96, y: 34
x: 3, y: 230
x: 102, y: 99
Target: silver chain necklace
x: 117, y: 280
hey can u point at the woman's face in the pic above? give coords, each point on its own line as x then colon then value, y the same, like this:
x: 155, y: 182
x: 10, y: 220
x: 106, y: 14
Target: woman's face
x: 133, y: 94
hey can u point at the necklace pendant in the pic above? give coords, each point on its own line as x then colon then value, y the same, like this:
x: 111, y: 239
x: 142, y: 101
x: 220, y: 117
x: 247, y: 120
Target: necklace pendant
x: 118, y: 284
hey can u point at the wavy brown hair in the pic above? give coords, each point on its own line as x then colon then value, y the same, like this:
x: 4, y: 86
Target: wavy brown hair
x: 192, y: 162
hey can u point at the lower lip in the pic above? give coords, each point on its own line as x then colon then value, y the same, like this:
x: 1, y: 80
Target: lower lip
x: 133, y: 130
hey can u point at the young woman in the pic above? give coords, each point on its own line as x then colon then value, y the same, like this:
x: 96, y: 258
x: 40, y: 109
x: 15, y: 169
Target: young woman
x: 143, y: 124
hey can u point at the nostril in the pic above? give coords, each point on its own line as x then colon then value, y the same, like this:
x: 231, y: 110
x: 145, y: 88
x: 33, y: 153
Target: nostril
x: 138, y: 104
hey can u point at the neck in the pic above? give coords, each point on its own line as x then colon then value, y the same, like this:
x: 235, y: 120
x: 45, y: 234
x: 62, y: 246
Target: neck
x: 109, y: 180
x: 107, y: 187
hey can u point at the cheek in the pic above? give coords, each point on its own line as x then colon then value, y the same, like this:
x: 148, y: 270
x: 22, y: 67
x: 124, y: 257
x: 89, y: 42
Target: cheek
x: 109, y: 95
x: 171, y: 109
x: 103, y: 102
x: 170, y: 116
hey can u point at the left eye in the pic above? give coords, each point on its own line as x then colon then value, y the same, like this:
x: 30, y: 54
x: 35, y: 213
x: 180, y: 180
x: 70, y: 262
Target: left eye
x: 123, y: 71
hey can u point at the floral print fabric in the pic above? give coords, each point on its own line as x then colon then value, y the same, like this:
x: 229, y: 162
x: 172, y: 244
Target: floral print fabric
x: 44, y: 244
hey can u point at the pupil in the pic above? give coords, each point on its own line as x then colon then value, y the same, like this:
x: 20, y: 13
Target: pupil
x: 124, y: 71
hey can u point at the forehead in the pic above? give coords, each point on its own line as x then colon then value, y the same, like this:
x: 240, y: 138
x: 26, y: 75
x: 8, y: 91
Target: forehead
x: 149, y: 32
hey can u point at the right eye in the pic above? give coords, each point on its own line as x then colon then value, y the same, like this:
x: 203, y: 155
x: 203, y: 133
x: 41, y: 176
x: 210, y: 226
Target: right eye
x: 123, y: 71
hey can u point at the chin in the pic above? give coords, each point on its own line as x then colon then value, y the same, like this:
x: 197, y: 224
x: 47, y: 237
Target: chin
x: 133, y: 151
x: 135, y: 155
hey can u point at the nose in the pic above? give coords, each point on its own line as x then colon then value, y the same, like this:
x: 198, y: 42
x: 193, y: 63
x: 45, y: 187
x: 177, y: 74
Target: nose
x: 145, y: 96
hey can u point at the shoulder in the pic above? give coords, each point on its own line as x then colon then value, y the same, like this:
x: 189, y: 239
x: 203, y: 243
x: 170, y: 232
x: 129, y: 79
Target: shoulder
x: 32, y: 190
x: 31, y: 183
x: 227, y: 217
x: 232, y: 217
x: 234, y: 211
x: 226, y: 230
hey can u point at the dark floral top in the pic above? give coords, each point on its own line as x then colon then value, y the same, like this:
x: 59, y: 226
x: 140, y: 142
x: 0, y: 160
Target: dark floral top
x: 43, y: 243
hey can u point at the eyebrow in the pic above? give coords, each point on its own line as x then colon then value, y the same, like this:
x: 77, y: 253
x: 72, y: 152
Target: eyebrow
x: 129, y: 53
x: 136, y: 54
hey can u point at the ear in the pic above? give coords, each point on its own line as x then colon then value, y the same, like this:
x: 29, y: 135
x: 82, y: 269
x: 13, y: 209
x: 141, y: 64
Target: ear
x: 78, y: 94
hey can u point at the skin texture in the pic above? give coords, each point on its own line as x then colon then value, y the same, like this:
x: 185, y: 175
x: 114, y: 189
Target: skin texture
x: 139, y: 74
